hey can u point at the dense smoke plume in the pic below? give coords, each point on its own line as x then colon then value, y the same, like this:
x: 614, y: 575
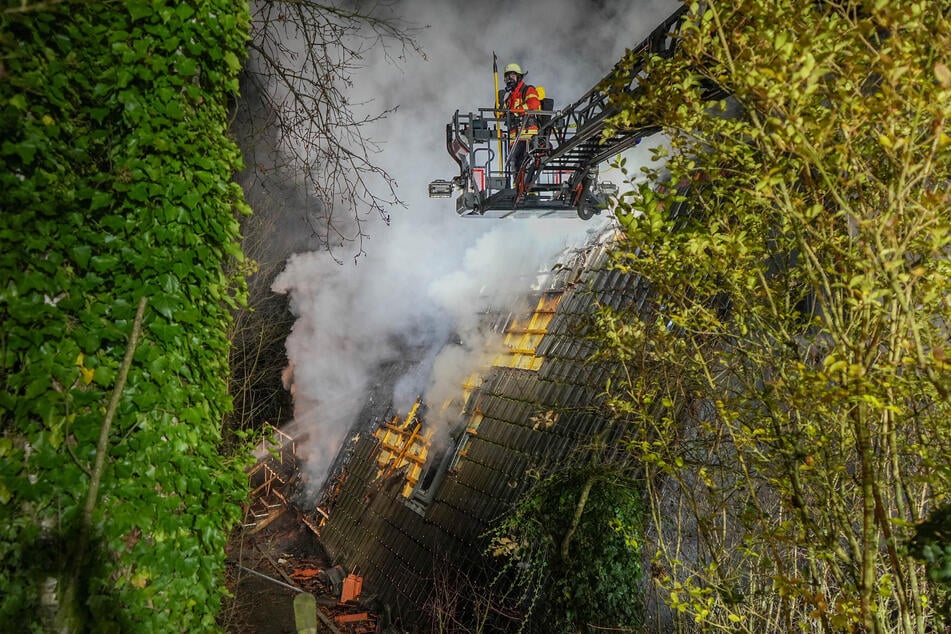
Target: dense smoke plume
x: 422, y: 280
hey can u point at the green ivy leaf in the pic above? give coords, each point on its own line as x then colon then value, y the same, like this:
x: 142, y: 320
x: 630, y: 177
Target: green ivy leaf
x: 104, y: 263
x: 232, y: 61
x: 165, y: 304
x: 139, y: 9
x: 186, y: 65
x: 104, y: 376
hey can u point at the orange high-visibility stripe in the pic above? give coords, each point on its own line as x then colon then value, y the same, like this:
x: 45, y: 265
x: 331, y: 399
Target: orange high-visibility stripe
x: 523, y: 97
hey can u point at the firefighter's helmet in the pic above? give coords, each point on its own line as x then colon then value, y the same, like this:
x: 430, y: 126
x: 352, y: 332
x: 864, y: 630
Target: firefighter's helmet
x: 513, y: 68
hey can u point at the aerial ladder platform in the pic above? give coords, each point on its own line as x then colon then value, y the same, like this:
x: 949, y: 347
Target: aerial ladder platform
x: 559, y: 176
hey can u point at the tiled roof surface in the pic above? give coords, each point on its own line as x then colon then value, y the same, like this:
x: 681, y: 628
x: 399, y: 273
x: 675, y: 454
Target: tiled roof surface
x: 527, y: 422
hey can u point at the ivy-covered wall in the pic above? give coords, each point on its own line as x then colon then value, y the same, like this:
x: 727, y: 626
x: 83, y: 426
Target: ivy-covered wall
x: 116, y: 184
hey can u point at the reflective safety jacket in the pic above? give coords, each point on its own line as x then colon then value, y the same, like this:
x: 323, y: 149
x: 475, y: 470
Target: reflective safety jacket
x: 523, y: 97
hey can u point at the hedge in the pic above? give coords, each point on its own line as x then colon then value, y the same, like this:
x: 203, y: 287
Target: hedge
x: 116, y: 185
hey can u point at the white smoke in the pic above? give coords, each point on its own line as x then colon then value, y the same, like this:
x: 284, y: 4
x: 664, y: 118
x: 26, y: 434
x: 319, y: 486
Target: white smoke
x: 497, y: 272
x: 426, y: 277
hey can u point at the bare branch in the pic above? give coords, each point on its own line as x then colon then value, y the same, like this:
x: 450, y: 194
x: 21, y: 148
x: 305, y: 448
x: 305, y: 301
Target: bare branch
x: 303, y: 57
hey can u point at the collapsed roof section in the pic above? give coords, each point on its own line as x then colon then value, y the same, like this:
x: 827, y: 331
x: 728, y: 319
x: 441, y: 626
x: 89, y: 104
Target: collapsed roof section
x: 403, y: 447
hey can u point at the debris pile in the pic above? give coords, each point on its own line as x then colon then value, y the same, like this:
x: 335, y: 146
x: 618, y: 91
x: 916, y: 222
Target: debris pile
x: 279, y: 544
x: 338, y: 595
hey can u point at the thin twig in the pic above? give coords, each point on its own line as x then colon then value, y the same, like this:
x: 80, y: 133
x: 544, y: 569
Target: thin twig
x: 102, y: 447
x: 29, y: 8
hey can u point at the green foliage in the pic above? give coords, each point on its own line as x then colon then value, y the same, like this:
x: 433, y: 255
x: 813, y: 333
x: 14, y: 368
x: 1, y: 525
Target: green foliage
x: 115, y: 176
x: 932, y: 544
x: 597, y: 584
x: 790, y: 376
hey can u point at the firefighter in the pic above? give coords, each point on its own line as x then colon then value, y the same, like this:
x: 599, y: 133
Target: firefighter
x: 520, y: 98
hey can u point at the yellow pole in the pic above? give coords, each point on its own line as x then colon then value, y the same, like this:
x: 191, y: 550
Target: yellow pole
x: 498, y: 107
